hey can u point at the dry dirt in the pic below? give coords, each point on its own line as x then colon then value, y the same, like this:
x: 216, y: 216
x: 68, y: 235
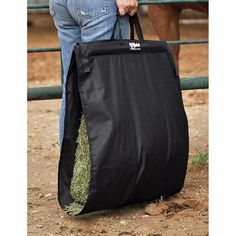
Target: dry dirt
x: 186, y: 213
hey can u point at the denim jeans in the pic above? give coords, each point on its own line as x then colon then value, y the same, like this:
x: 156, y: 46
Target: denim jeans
x: 83, y: 21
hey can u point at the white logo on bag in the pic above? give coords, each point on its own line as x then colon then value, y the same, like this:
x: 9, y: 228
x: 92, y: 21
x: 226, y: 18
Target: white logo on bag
x: 135, y: 46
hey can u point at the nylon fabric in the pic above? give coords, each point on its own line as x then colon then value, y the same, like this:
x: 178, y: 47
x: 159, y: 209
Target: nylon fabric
x: 136, y: 123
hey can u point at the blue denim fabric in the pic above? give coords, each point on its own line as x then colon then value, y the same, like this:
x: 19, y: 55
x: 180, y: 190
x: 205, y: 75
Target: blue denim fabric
x: 83, y: 21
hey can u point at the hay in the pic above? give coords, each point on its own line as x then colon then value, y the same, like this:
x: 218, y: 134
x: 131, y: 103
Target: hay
x: 81, y: 172
x: 73, y: 209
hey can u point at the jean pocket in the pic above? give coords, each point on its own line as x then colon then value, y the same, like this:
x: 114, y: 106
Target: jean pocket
x: 52, y: 8
x: 92, y: 8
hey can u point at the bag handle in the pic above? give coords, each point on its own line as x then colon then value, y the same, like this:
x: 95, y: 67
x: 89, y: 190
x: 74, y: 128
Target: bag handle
x: 117, y: 22
x: 134, y: 22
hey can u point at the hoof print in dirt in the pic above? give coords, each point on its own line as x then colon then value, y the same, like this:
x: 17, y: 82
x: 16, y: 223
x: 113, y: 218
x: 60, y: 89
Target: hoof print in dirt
x: 155, y: 209
x: 169, y: 209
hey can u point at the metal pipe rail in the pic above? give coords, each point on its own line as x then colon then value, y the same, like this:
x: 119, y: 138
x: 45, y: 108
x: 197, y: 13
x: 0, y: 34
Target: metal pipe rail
x: 55, y: 92
x: 196, y: 41
x: 33, y: 50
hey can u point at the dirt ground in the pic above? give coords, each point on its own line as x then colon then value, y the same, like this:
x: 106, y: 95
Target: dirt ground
x: 186, y: 213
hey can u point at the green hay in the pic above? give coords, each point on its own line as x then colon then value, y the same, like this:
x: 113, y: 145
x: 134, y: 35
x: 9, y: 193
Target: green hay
x: 81, y: 173
x: 73, y: 209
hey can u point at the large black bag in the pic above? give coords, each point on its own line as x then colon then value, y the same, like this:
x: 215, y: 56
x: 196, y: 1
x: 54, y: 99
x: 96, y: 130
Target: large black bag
x: 129, y: 93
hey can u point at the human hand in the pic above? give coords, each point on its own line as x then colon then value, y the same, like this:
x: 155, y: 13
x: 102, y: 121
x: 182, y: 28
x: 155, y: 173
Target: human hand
x: 127, y: 6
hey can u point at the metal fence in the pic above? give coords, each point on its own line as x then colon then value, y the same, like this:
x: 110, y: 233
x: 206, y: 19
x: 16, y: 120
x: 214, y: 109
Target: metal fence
x: 55, y: 92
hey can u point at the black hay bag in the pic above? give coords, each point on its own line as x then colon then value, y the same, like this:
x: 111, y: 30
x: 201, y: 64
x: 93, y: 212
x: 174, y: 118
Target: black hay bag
x: 129, y: 94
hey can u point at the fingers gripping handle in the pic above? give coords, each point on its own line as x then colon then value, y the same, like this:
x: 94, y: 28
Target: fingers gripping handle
x: 134, y: 23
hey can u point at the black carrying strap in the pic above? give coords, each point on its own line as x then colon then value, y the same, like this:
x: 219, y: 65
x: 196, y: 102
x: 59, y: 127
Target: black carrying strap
x: 134, y: 22
x: 117, y: 22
